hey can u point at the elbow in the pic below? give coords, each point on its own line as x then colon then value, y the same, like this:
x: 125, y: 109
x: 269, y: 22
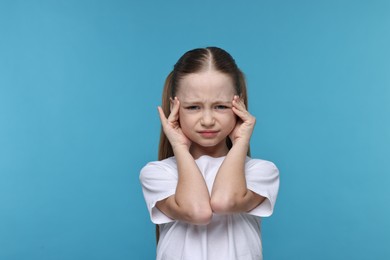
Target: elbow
x: 200, y: 216
x: 223, y: 205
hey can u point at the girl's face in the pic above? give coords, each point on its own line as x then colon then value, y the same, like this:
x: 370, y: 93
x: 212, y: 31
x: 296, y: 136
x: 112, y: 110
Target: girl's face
x: 206, y: 116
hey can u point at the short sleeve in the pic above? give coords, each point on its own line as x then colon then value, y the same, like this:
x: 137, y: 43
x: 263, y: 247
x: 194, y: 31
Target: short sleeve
x: 159, y: 181
x: 263, y: 178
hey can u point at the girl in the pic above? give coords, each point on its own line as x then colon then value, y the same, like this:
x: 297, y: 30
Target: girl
x: 205, y: 194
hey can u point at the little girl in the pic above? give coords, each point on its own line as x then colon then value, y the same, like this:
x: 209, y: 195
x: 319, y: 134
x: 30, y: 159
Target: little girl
x: 205, y: 194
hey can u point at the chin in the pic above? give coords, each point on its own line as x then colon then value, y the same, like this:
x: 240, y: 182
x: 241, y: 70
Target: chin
x: 210, y: 143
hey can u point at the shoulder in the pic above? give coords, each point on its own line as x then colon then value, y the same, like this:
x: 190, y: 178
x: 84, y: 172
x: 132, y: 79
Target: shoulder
x: 155, y: 168
x: 252, y: 162
x: 261, y: 166
x: 166, y: 163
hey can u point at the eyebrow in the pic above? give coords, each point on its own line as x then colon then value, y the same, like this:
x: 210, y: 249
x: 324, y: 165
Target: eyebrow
x: 200, y: 102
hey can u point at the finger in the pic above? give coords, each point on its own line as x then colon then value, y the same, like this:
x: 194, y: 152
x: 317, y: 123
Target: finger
x: 174, y: 115
x: 239, y: 107
x: 241, y: 114
x: 239, y: 103
x: 247, y: 119
x: 240, y: 110
x: 163, y: 118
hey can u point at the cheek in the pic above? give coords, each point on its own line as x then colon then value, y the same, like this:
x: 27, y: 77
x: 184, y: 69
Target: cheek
x: 230, y: 121
x: 183, y: 119
x: 233, y: 121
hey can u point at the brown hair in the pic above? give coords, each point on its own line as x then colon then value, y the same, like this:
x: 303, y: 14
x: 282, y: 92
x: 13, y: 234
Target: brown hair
x: 195, y: 61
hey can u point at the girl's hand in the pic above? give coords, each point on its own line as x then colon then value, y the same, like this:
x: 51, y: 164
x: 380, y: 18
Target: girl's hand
x: 171, y: 126
x: 242, y: 132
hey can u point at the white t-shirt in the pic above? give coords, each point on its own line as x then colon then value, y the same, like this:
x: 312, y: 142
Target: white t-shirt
x: 226, y: 237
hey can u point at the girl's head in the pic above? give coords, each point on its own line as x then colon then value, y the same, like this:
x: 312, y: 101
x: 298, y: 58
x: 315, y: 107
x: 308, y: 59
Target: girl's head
x: 207, y: 65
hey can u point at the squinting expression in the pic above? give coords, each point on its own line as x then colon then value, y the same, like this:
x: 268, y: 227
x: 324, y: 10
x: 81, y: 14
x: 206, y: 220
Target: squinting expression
x: 206, y: 116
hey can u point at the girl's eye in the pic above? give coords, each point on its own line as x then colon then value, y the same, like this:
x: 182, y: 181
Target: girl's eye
x: 221, y: 107
x: 192, y: 107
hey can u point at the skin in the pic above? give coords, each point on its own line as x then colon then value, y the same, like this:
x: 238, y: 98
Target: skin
x: 204, y: 113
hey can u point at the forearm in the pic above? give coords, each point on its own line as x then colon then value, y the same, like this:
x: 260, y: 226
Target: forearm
x: 192, y: 199
x: 230, y: 193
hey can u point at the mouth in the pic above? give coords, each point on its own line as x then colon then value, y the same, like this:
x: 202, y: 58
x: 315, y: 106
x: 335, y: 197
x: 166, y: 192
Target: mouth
x: 208, y: 133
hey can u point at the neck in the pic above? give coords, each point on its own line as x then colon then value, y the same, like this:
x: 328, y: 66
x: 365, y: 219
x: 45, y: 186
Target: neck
x: 213, y: 151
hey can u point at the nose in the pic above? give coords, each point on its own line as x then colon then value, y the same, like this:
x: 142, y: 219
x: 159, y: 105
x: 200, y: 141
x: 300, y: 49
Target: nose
x: 207, y: 119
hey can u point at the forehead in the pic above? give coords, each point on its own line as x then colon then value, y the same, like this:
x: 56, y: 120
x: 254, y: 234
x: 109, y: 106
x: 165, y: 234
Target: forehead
x: 206, y: 85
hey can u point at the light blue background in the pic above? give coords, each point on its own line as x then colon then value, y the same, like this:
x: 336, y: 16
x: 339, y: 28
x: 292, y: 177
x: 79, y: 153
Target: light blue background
x: 80, y: 82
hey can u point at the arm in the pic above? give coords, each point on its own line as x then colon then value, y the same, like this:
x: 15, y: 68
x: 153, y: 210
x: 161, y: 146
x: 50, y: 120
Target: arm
x: 230, y: 193
x: 191, y: 201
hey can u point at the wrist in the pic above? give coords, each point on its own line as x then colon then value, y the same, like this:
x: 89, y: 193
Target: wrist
x: 240, y: 143
x: 180, y: 147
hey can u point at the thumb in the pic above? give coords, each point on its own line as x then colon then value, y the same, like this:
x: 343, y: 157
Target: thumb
x: 162, y: 116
